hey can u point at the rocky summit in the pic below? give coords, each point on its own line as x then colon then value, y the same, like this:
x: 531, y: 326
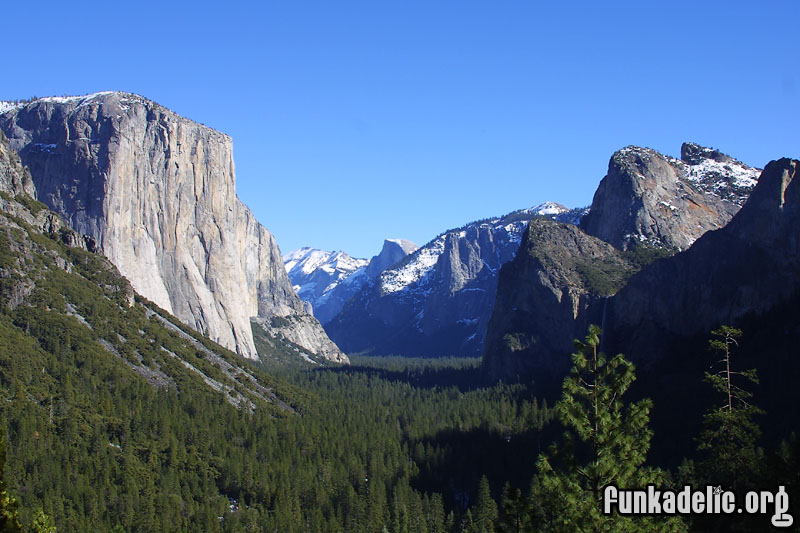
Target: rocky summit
x: 156, y: 191
x: 650, y: 198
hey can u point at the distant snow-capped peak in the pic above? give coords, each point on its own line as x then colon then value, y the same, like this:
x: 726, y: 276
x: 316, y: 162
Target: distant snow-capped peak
x: 306, y: 261
x: 548, y: 209
x: 419, y: 265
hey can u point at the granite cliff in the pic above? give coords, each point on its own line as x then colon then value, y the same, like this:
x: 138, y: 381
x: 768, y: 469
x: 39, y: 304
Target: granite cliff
x: 555, y: 286
x: 650, y: 198
x: 156, y: 192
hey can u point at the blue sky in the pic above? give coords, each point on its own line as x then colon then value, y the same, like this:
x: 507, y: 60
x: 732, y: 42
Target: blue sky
x: 357, y: 121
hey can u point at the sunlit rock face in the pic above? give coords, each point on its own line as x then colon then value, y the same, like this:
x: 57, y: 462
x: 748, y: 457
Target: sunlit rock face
x: 157, y: 193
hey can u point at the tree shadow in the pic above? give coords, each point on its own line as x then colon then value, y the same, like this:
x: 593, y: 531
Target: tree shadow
x: 452, y: 461
x: 423, y: 376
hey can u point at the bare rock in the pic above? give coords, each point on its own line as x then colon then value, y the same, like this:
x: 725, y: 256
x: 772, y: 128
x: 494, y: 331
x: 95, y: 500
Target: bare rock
x: 156, y: 193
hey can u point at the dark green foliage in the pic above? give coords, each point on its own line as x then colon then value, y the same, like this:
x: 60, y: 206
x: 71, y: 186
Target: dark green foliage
x: 516, y: 514
x: 730, y: 456
x: 43, y: 523
x: 9, y: 508
x: 34, y: 206
x: 606, y: 443
x: 642, y: 254
x: 606, y: 276
x: 279, y: 322
x: 109, y: 428
x: 603, y: 277
x: 485, y: 512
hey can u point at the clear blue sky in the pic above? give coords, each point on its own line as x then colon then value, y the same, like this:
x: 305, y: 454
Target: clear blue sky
x: 357, y: 121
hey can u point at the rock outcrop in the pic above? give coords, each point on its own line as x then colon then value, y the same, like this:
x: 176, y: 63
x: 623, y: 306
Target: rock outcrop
x: 14, y: 177
x: 392, y: 252
x: 556, y: 285
x: 156, y: 192
x: 650, y: 198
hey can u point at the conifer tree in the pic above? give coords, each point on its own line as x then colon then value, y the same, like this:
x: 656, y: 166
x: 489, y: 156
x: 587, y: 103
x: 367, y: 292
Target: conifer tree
x: 42, y: 523
x: 515, y: 516
x: 485, y: 513
x: 729, y: 436
x: 9, y: 512
x: 605, y: 443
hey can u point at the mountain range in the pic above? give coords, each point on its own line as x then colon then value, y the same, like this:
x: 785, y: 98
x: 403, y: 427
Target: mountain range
x: 438, y: 300
x: 326, y: 280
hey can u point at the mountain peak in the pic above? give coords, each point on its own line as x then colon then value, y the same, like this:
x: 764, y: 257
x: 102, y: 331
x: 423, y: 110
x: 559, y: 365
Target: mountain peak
x: 156, y: 191
x: 647, y: 197
x: 694, y: 154
x: 392, y: 252
x: 406, y: 245
x: 548, y: 209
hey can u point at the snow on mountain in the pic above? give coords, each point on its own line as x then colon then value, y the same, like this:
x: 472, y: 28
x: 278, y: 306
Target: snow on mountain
x: 395, y: 279
x: 438, y: 300
x: 5, y: 106
x: 649, y: 198
x: 406, y: 245
x: 711, y: 171
x: 314, y: 272
x: 730, y: 179
x: 509, y: 227
x: 548, y: 209
x: 326, y: 280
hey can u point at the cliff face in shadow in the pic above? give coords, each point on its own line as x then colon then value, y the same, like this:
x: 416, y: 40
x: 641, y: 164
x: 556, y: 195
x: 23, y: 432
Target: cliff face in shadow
x: 747, y: 268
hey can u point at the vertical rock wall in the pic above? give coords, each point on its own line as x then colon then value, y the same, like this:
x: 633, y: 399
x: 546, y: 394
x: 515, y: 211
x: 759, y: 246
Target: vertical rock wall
x: 157, y: 192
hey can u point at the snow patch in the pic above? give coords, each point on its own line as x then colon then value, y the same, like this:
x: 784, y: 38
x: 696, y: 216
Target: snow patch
x: 421, y: 263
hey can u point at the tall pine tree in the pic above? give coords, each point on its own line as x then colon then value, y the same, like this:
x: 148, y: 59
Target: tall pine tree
x: 728, y: 441
x: 606, y: 442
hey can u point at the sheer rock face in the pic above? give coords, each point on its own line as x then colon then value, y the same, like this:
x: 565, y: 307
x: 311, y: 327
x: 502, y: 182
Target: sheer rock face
x: 157, y: 193
x: 546, y: 296
x: 647, y: 197
x: 14, y: 178
x: 748, y: 267
x: 392, y: 252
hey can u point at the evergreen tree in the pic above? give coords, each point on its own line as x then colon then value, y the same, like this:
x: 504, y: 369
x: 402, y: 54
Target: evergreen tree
x: 485, y: 513
x: 43, y: 523
x: 9, y: 512
x: 729, y: 436
x: 515, y: 516
x: 605, y: 443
